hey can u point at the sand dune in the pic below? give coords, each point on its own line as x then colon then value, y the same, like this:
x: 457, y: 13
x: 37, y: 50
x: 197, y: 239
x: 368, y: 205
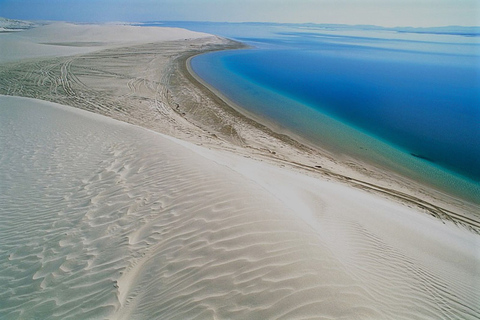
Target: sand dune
x: 101, y: 219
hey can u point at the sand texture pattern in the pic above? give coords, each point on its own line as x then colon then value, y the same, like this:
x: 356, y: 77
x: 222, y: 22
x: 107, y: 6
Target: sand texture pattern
x: 114, y: 221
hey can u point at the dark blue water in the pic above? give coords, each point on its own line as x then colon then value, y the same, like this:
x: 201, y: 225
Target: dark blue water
x: 418, y: 92
x: 429, y: 108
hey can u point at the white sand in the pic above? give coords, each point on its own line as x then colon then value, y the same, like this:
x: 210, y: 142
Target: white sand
x: 63, y: 39
x: 106, y: 220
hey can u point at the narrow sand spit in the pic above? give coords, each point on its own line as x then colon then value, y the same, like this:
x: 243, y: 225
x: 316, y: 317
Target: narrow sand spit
x: 64, y: 39
x: 219, y: 218
x: 102, y: 219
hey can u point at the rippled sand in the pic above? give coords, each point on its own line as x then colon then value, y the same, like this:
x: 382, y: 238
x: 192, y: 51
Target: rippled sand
x: 101, y: 219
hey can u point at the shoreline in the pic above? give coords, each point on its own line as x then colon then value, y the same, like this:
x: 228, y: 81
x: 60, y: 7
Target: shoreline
x: 438, y: 211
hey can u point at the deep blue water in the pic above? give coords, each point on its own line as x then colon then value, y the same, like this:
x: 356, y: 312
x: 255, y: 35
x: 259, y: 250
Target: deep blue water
x: 428, y: 108
x: 417, y: 92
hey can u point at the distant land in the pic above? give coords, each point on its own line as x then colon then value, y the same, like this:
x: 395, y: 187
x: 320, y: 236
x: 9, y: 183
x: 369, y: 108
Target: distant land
x: 453, y: 30
x: 7, y: 25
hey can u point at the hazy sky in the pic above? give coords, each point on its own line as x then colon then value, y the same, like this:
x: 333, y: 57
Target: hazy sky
x: 377, y: 12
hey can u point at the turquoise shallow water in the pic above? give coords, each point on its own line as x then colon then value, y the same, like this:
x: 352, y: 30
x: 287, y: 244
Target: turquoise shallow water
x: 406, y: 101
x: 319, y: 128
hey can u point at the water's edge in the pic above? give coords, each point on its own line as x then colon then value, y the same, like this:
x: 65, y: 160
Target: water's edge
x: 380, y: 153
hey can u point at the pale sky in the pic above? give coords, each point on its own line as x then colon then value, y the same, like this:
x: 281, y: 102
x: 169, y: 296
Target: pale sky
x: 416, y: 13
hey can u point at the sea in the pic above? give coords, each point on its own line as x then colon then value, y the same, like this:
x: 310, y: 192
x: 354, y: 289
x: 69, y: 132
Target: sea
x: 405, y: 99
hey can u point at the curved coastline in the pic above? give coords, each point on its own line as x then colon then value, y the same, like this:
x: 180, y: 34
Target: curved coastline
x: 432, y: 205
x: 157, y: 92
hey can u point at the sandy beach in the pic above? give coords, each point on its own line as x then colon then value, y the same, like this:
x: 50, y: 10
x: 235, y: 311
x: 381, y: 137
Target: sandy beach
x: 162, y: 199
